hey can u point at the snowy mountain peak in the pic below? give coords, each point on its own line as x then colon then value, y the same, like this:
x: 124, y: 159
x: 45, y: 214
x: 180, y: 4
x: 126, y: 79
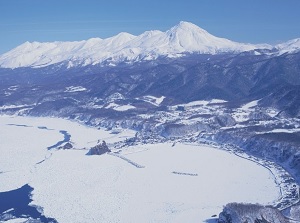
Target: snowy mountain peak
x: 121, y: 38
x: 187, y: 37
x: 188, y: 27
x: 125, y: 35
x: 186, y: 31
x: 150, y: 33
x: 181, y: 39
x: 193, y: 38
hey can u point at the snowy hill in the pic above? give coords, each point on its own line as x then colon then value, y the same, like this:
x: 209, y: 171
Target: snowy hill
x: 175, y: 42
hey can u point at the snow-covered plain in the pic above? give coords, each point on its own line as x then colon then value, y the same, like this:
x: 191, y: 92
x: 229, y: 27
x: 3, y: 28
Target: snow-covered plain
x: 181, y: 183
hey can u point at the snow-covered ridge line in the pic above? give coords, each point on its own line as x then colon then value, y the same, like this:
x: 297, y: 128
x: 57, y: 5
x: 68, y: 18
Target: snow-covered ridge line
x: 181, y: 39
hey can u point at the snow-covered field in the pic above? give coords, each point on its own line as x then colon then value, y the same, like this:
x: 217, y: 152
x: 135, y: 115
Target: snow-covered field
x: 181, y: 183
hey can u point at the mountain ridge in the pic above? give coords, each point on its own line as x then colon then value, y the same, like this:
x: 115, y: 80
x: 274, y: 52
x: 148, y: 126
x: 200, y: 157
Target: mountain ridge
x: 184, y: 38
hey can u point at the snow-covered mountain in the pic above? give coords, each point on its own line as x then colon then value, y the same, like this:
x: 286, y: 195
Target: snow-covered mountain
x: 291, y: 46
x: 175, y: 42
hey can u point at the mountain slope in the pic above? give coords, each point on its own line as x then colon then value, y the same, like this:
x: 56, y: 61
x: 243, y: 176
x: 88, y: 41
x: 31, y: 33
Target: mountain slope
x: 291, y: 46
x: 235, y: 78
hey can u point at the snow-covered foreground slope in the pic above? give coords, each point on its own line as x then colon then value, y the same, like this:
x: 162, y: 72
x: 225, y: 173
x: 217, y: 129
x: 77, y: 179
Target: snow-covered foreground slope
x: 146, y: 183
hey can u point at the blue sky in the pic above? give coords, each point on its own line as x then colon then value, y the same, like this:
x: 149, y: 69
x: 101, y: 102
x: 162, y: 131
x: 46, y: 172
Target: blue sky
x: 254, y: 21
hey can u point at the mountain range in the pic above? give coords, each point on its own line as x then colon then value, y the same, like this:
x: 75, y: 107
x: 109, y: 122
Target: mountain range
x: 183, y: 64
x: 182, y: 39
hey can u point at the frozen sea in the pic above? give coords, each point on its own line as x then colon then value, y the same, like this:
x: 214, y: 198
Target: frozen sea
x: 145, y: 183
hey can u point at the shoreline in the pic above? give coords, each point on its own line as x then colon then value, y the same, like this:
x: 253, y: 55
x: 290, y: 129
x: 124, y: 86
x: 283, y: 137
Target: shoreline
x: 279, y: 174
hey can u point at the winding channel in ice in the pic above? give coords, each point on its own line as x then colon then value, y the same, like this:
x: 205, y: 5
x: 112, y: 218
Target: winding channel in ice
x: 146, y: 183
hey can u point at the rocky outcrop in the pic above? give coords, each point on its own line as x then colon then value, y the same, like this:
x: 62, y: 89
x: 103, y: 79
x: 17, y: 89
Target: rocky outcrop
x: 99, y: 149
x: 250, y: 213
x: 68, y: 145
